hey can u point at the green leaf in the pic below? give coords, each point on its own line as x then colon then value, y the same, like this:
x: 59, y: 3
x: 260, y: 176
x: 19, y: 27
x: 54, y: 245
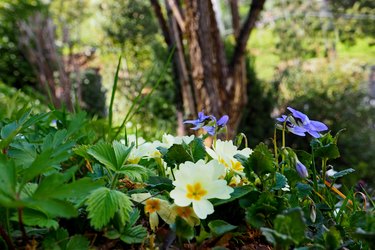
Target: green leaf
x: 261, y: 161
x: 78, y: 242
x: 292, y: 224
x: 183, y: 229
x: 303, y: 190
x: 197, y: 149
x: 135, y: 235
x: 160, y: 183
x: 53, y: 207
x: 343, y: 173
x: 281, y: 182
x: 330, y: 151
x: 36, y: 218
x: 134, y: 171
x: 237, y: 193
x: 122, y: 153
x: 220, y: 227
x: 276, y: 238
x: 8, y: 176
x: 176, y: 155
x: 103, y: 203
x: 104, y: 153
x: 56, y: 240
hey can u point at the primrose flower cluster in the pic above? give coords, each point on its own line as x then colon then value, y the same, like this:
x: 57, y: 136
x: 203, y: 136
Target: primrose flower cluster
x: 195, y: 183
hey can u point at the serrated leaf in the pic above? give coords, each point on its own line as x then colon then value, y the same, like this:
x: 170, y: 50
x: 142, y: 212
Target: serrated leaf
x: 56, y: 240
x: 8, y: 176
x: 134, y: 171
x: 343, y: 173
x: 122, y: 152
x: 220, y: 227
x: 237, y: 193
x: 36, y: 218
x: 261, y: 161
x: 104, y: 153
x: 281, y: 182
x: 103, y: 203
x: 134, y: 235
x: 78, y: 242
x: 160, y: 183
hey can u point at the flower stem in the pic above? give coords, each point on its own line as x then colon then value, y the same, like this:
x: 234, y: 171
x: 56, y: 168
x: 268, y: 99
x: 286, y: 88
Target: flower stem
x: 6, y: 238
x: 324, y: 168
x: 275, y: 145
x: 314, y: 171
x: 22, y: 227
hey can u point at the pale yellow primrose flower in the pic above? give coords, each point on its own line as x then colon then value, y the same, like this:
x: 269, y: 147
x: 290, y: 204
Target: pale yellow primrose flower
x: 168, y: 140
x: 188, y: 214
x: 156, y: 207
x: 196, y: 183
x: 225, y: 151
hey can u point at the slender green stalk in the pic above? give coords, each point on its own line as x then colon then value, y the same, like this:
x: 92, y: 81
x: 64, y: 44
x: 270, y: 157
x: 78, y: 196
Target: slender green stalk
x: 114, y: 181
x: 275, y: 145
x: 114, y: 88
x: 315, y: 182
x: 324, y: 168
x: 130, y: 114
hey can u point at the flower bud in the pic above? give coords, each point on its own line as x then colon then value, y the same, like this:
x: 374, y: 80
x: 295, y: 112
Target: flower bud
x: 302, y: 170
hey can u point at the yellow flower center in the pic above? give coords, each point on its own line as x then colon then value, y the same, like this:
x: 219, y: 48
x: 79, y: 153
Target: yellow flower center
x: 184, y: 212
x: 222, y: 161
x: 236, y: 165
x: 195, y: 192
x: 152, y: 205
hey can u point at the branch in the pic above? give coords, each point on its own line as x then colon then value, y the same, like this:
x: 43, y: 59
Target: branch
x: 247, y: 27
x: 235, y: 17
x: 177, y: 14
x: 163, y: 24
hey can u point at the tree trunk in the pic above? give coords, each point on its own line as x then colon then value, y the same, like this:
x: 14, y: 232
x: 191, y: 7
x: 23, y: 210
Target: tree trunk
x: 218, y: 87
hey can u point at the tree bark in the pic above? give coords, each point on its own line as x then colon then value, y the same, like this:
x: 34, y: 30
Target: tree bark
x: 218, y: 87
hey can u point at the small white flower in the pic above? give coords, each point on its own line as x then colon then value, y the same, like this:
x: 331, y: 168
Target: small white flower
x: 225, y: 151
x: 168, y: 140
x: 196, y: 183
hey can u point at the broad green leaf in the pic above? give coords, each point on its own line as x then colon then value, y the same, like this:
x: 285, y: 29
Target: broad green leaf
x: 330, y: 151
x: 220, y: 227
x: 53, y: 207
x: 183, y: 229
x: 332, y: 239
x: 160, y: 183
x: 32, y: 217
x: 237, y: 193
x: 176, y: 155
x: 343, y: 173
x: 8, y: 176
x: 134, y: 172
x: 261, y: 161
x: 292, y: 224
x: 135, y: 235
x: 103, y: 203
x: 197, y: 149
x: 276, y: 238
x: 76, y: 123
x: 281, y: 182
x: 78, y: 242
x: 105, y: 154
x: 121, y: 152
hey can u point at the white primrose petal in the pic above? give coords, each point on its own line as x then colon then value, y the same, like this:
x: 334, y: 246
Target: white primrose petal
x: 154, y: 221
x: 211, y: 153
x: 179, y: 196
x: 219, y: 189
x: 202, y: 208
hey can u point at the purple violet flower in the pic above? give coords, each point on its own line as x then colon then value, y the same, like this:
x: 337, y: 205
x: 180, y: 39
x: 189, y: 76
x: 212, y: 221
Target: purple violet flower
x: 301, y: 124
x: 301, y: 170
x: 208, y: 123
x: 198, y: 123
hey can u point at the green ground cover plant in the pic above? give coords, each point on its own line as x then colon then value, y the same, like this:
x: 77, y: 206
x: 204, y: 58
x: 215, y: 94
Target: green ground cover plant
x: 72, y: 182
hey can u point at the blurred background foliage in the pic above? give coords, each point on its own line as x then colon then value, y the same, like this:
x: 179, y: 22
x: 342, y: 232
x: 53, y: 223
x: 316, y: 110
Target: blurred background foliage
x: 315, y: 56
